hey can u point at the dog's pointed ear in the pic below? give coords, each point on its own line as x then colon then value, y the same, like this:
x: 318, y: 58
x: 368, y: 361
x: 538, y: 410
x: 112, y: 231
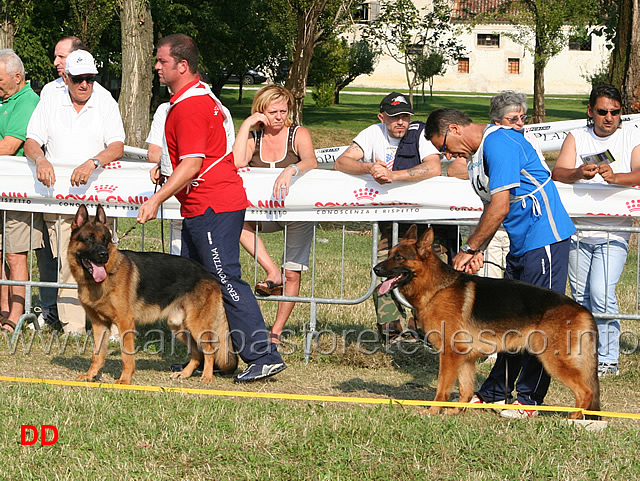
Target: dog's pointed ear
x: 101, y: 217
x: 425, y: 242
x: 81, y: 217
x: 412, y: 233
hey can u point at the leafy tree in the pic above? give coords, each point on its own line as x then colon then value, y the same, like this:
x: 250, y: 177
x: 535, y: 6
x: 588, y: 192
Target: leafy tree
x: 338, y: 63
x: 316, y: 22
x: 14, y: 13
x: 89, y: 18
x: 407, y: 33
x: 361, y: 60
x: 427, y: 67
x: 232, y: 36
x: 540, y: 29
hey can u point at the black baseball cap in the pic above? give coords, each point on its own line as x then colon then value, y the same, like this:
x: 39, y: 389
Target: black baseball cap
x: 395, y: 104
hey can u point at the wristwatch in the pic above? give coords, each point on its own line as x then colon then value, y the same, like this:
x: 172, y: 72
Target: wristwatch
x: 468, y: 250
x: 96, y: 162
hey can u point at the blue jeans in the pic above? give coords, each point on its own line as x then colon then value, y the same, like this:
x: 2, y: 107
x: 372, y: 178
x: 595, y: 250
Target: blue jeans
x: 594, y: 271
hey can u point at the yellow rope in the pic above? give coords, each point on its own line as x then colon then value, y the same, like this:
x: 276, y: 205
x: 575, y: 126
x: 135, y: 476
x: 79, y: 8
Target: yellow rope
x: 318, y: 398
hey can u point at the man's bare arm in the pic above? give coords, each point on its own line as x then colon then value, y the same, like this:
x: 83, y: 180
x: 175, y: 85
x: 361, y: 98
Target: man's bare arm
x: 349, y: 161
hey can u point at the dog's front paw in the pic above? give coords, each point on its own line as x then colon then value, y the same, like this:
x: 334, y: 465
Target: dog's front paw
x: 205, y: 378
x: 179, y: 375
x: 123, y: 381
x: 432, y: 411
x: 87, y: 378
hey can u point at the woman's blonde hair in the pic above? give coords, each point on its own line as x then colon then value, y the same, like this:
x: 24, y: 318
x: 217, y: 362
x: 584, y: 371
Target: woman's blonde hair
x: 269, y: 94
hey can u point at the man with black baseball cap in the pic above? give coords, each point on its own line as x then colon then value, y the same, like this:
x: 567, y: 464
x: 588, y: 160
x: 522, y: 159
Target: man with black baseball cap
x: 393, y: 150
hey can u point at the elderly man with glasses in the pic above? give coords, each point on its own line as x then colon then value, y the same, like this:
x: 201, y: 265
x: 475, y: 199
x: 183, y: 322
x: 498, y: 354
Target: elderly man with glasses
x: 515, y: 186
x: 603, y: 152
x: 73, y: 125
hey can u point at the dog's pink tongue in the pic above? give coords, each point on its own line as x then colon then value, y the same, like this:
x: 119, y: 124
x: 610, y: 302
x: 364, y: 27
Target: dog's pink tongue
x: 386, y: 286
x: 99, y: 272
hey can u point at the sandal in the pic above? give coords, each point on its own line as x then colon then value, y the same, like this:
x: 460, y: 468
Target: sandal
x: 7, y: 324
x: 268, y: 288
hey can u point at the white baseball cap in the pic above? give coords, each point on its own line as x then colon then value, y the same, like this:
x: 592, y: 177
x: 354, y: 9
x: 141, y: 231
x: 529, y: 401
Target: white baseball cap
x: 80, y: 62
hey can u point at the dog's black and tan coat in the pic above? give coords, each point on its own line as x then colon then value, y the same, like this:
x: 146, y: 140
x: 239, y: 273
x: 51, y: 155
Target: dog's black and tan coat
x: 466, y: 317
x: 123, y: 288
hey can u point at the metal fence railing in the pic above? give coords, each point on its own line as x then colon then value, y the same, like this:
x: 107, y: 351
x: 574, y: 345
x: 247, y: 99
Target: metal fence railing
x: 628, y: 309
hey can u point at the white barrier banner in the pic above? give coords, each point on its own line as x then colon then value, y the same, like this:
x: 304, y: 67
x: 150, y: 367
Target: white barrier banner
x: 550, y: 136
x: 319, y: 195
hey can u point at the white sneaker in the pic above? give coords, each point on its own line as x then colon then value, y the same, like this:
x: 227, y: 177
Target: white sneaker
x: 519, y: 413
x: 40, y: 320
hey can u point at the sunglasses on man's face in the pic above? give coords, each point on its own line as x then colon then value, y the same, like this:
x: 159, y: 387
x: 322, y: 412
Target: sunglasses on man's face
x: 443, y: 150
x: 604, y: 112
x: 78, y: 79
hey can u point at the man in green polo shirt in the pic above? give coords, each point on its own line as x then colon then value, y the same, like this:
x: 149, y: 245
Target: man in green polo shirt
x: 17, y: 102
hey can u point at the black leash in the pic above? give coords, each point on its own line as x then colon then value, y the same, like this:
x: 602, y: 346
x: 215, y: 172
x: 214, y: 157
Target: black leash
x: 494, y: 264
x: 126, y: 233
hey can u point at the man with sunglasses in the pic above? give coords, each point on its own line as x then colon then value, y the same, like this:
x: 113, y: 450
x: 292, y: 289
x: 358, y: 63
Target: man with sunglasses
x: 78, y: 126
x: 516, y: 189
x: 597, y: 258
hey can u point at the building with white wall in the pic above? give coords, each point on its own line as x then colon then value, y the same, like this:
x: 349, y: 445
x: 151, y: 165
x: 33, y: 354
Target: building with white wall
x: 494, y: 62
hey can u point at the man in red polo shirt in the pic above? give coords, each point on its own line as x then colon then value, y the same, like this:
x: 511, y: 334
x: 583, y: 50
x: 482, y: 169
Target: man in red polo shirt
x: 199, y: 135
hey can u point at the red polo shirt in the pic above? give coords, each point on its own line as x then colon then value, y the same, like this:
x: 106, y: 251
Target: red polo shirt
x: 194, y: 128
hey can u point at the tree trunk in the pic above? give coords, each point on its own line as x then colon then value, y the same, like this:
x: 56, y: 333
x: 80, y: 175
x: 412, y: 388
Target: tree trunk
x: 631, y: 86
x: 296, y: 81
x: 539, y: 64
x: 622, y: 41
x: 539, y: 112
x: 7, y: 33
x: 137, y: 75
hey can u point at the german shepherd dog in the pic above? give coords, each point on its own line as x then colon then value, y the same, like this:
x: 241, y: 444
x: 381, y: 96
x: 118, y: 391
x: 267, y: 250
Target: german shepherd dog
x: 466, y: 317
x: 121, y: 288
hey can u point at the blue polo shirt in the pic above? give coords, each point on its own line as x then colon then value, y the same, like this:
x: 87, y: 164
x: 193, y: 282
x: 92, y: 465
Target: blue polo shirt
x: 513, y: 164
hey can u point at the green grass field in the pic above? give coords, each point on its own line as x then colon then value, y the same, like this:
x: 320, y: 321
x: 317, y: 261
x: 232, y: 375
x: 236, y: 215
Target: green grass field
x: 109, y: 434
x: 338, y: 124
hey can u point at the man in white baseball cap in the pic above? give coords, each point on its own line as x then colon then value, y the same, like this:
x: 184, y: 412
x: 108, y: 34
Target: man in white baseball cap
x: 73, y: 125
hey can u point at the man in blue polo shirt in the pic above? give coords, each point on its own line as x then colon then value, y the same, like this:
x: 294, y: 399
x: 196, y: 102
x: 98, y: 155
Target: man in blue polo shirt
x: 515, y: 186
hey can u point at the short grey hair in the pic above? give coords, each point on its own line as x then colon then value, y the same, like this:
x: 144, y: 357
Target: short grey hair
x: 505, y: 102
x: 11, y: 61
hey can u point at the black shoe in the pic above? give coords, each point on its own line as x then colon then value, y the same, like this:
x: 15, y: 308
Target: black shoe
x: 180, y: 367
x: 254, y: 372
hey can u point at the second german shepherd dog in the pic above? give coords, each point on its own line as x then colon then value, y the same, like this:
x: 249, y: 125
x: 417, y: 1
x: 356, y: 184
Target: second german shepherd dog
x: 466, y: 317
x: 120, y: 287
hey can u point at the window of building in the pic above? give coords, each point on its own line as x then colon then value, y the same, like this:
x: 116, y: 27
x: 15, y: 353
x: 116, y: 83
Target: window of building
x: 488, y: 40
x: 513, y: 65
x: 369, y: 10
x: 580, y: 43
x: 463, y: 65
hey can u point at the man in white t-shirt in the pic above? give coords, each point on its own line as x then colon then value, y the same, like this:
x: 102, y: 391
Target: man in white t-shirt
x: 393, y: 150
x: 157, y: 153
x: 73, y: 125
x: 606, y: 151
x: 62, y: 50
